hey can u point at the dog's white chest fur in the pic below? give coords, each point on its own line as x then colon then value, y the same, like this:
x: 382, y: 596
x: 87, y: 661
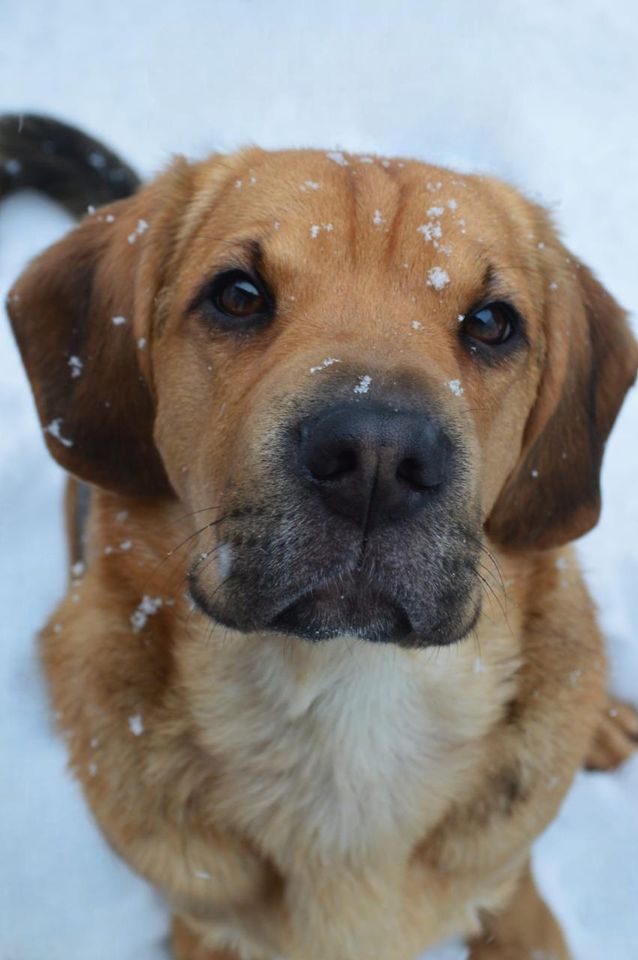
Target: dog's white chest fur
x: 339, y: 751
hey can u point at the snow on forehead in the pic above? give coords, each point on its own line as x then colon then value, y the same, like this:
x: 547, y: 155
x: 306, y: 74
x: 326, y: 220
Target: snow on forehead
x: 313, y: 188
x: 312, y: 171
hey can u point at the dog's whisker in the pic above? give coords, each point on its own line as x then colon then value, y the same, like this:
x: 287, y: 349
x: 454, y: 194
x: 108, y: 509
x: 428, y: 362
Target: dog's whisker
x: 196, y: 533
x: 192, y: 513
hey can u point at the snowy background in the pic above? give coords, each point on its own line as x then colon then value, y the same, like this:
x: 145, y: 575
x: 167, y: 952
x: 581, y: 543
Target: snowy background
x: 543, y: 93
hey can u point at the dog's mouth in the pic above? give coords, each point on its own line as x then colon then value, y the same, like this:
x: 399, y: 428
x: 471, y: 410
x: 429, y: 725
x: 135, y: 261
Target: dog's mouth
x: 350, y: 603
x: 345, y: 605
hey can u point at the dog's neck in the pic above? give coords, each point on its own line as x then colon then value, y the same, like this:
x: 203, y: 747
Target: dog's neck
x: 304, y: 729
x: 341, y: 745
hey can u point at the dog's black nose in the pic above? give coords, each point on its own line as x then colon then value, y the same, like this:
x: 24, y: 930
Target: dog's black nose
x: 374, y: 464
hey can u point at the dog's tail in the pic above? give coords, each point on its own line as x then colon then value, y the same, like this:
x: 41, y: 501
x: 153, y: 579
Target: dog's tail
x: 43, y: 154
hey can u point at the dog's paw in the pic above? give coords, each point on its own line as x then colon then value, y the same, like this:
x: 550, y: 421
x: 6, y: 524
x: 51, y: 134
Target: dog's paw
x: 616, y: 737
x: 187, y: 945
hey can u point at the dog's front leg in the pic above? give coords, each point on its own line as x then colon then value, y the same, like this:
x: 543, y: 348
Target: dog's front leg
x: 186, y: 944
x: 616, y: 736
x: 525, y: 929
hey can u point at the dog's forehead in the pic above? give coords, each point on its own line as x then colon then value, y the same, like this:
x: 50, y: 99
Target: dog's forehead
x: 317, y: 196
x: 372, y: 226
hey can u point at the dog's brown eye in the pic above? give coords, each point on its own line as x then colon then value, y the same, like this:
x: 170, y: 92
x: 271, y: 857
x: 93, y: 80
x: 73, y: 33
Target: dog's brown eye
x: 236, y: 295
x: 236, y: 301
x: 492, y: 324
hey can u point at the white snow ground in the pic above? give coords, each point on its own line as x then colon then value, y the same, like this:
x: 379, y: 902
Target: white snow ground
x: 541, y: 93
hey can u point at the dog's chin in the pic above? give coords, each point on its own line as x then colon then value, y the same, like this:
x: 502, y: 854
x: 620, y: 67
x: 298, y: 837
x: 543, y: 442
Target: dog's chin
x: 341, y: 607
x: 334, y: 610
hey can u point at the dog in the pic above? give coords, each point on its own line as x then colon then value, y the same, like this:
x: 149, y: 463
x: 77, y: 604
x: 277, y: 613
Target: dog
x: 326, y: 665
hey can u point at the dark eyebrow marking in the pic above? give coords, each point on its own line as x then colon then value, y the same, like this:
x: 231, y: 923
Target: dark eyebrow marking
x: 493, y: 287
x: 490, y: 280
x: 255, y: 253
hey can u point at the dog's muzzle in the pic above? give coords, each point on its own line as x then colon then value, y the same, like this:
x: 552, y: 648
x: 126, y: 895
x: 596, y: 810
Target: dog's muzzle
x: 362, y: 525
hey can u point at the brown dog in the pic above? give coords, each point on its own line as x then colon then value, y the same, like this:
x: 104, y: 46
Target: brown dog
x: 347, y: 400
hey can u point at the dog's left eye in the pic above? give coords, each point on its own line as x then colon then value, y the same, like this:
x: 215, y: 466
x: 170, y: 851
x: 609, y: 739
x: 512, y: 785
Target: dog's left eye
x: 491, y: 325
x: 237, y: 300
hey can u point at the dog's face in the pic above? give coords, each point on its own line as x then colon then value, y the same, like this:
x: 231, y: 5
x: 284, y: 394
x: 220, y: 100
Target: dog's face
x: 356, y: 365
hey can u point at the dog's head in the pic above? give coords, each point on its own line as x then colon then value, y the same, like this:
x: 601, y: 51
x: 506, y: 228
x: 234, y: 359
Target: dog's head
x: 360, y: 365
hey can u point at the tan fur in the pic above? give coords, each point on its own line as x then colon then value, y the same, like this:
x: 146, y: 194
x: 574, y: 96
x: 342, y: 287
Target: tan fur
x: 338, y: 801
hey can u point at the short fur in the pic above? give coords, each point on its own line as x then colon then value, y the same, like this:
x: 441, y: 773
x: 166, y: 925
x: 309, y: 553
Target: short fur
x: 341, y: 799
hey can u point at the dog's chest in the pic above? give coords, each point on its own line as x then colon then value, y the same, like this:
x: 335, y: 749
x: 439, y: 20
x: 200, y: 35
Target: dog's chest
x: 343, y: 752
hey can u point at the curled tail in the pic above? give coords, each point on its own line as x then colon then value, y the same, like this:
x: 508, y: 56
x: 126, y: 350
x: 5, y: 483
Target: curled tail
x: 43, y: 154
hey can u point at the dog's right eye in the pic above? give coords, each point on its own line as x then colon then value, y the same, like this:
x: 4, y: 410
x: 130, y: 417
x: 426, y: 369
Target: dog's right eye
x: 237, y: 301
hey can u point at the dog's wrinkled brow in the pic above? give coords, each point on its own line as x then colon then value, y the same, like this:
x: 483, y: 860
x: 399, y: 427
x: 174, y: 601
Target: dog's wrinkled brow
x: 246, y: 255
x: 493, y: 286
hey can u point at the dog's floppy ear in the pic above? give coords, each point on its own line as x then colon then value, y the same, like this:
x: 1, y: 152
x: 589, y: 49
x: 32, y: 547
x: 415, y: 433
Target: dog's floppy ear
x: 553, y: 495
x: 82, y: 316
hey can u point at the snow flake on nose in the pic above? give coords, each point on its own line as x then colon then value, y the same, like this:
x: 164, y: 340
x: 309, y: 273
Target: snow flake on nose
x: 324, y: 363
x: 363, y: 385
x: 455, y: 387
x: 309, y: 185
x: 377, y: 218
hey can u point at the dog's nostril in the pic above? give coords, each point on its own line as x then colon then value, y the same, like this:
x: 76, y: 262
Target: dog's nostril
x: 333, y: 464
x: 411, y: 470
x: 414, y: 472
